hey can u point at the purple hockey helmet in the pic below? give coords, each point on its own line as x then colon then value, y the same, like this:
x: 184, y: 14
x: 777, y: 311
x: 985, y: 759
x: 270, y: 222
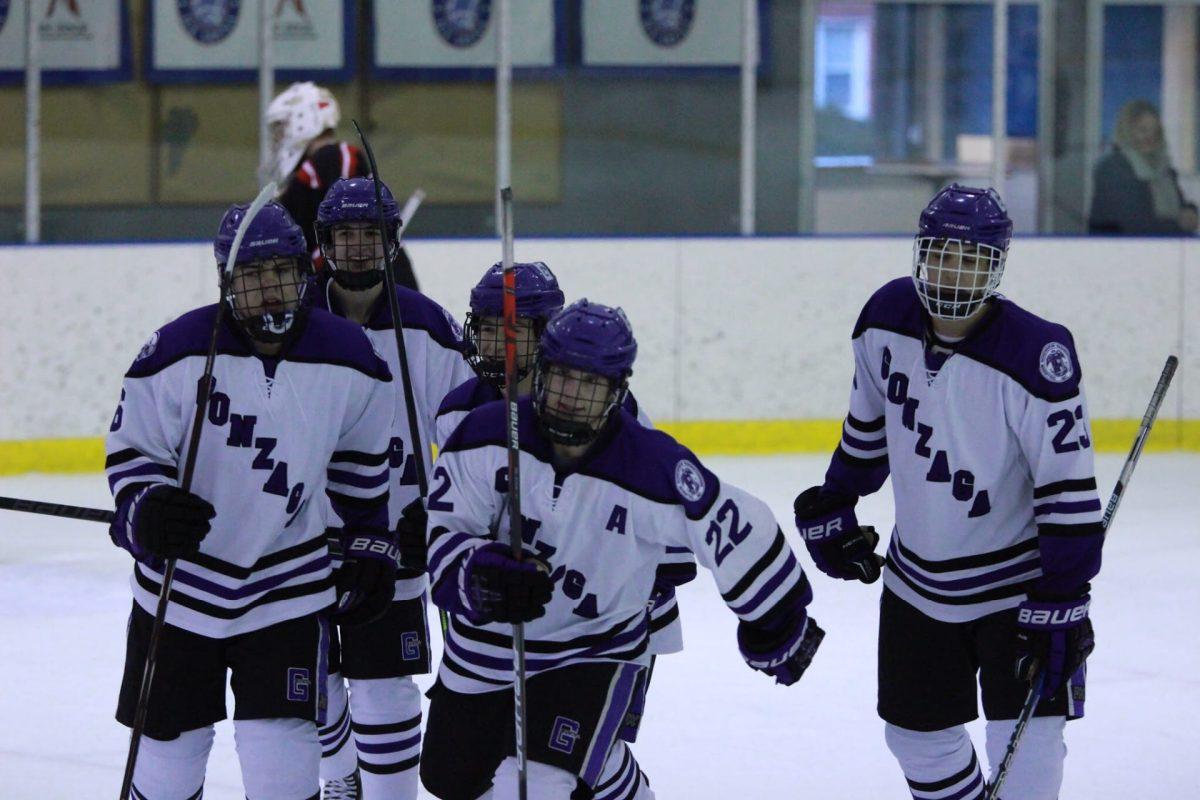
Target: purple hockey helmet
x: 356, y: 258
x: 586, y: 358
x: 538, y: 299
x: 267, y: 283
x: 960, y: 250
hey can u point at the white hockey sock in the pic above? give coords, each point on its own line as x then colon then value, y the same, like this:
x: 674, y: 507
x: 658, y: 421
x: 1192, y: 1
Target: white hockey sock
x: 172, y: 770
x: 939, y: 765
x: 622, y: 777
x: 386, y: 720
x: 544, y: 781
x: 280, y: 758
x: 1037, y: 768
x: 338, y: 756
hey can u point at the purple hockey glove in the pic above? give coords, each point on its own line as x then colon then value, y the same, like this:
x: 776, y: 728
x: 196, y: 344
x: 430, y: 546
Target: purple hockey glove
x: 168, y: 522
x: 1053, y: 636
x: 499, y: 588
x: 783, y: 654
x: 366, y: 581
x: 838, y: 545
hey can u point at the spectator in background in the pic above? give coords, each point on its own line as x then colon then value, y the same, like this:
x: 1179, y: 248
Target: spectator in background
x: 1136, y: 191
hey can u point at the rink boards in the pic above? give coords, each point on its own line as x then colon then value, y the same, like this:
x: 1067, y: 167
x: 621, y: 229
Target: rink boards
x: 743, y: 343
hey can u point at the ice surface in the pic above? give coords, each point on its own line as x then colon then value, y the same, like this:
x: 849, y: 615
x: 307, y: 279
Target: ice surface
x: 713, y: 728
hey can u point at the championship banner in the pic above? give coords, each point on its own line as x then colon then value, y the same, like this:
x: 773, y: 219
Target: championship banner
x: 79, y: 41
x: 457, y: 38
x: 203, y: 41
x: 669, y: 34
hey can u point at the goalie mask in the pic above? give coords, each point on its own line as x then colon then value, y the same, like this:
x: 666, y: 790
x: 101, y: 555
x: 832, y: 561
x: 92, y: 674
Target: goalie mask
x: 960, y: 250
x: 270, y: 274
x: 538, y: 299
x: 300, y: 113
x: 583, y: 370
x: 348, y: 232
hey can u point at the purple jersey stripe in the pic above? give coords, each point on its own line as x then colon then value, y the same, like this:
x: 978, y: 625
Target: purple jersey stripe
x: 862, y: 444
x: 962, y: 584
x: 1081, y: 507
x: 789, y: 567
x: 614, y: 644
x: 444, y: 546
x: 254, y: 587
x: 356, y: 480
x: 139, y: 471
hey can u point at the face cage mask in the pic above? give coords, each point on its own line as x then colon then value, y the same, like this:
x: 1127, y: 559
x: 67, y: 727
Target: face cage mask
x: 595, y: 398
x: 286, y: 278
x: 491, y: 368
x: 954, y: 277
x: 357, y: 253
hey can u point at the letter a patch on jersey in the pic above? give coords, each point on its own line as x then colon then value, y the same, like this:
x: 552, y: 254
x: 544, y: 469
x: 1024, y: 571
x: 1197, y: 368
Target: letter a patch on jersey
x: 616, y: 520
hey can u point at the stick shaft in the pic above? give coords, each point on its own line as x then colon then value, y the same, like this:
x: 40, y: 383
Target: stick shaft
x: 511, y: 379
x: 56, y: 509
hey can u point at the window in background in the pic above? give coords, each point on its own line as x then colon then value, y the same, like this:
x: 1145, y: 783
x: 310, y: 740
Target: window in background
x: 843, y: 64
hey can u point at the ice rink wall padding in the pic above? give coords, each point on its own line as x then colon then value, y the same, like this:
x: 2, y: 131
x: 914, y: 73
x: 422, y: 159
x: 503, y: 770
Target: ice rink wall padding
x: 743, y: 343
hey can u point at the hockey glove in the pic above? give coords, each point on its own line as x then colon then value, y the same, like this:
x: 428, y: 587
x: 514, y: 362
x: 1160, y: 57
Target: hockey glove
x: 366, y: 581
x: 501, y: 589
x: 838, y: 545
x: 1054, y: 635
x: 410, y: 536
x: 783, y: 654
x: 168, y: 522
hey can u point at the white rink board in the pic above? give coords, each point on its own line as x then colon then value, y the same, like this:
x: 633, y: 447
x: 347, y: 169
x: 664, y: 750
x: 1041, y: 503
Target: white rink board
x: 728, y: 328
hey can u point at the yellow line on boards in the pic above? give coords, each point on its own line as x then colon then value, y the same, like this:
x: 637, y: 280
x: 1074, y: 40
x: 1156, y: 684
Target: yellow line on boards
x: 706, y: 437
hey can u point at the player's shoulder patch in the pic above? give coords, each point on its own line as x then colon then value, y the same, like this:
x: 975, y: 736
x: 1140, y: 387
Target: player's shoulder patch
x: 187, y: 335
x: 149, y: 347
x: 689, y: 480
x: 1055, y: 363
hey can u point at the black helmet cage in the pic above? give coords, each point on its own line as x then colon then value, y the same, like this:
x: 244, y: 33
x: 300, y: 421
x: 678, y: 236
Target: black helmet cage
x: 592, y: 414
x: 491, y: 369
x: 342, y: 268
x: 246, y: 299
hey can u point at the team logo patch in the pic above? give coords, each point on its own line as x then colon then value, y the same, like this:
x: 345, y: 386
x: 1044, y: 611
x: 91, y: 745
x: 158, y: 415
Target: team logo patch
x: 1055, y: 363
x: 564, y: 734
x: 149, y: 347
x: 209, y: 21
x: 667, y: 22
x: 689, y: 481
x: 461, y: 23
x: 4, y: 4
x: 298, y: 684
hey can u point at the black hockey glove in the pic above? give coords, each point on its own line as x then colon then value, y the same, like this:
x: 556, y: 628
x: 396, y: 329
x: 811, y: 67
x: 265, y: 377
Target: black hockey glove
x: 169, y: 522
x: 783, y: 653
x: 410, y: 536
x: 1054, y: 636
x: 838, y: 545
x: 366, y: 581
x: 501, y: 589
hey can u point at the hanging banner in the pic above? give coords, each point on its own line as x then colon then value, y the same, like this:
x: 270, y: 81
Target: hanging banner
x: 665, y: 33
x: 79, y: 41
x: 217, y: 40
x: 457, y: 38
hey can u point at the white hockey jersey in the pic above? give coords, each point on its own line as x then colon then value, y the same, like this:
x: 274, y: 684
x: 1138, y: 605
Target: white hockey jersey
x: 433, y: 345
x: 278, y: 433
x: 601, y: 526
x: 678, y: 565
x: 989, y: 450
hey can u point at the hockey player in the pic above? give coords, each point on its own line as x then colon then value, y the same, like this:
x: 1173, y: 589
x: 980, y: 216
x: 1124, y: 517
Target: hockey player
x: 601, y: 496
x: 975, y: 408
x: 253, y: 581
x: 380, y: 658
x: 307, y: 157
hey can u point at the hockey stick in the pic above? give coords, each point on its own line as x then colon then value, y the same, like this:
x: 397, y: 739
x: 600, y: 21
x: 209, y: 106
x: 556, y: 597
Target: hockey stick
x: 56, y: 509
x: 410, y: 403
x: 203, y: 390
x: 1114, y: 501
x: 514, y: 474
x: 410, y: 207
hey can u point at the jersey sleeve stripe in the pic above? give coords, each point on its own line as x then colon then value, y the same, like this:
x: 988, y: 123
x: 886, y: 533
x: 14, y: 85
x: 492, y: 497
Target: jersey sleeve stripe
x: 358, y: 457
x: 357, y: 481
x: 863, y: 445
x: 757, y: 570
x: 1062, y: 487
x: 1065, y: 531
x: 445, y: 549
x: 868, y: 463
x: 1083, y: 507
x: 662, y: 616
x: 790, y: 569
x: 866, y: 426
x: 149, y: 469
x: 122, y: 456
